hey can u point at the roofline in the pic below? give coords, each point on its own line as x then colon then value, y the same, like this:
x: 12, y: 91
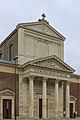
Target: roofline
x: 7, y: 63
x: 39, y: 32
x: 75, y: 75
x: 46, y: 23
x: 65, y: 63
x: 8, y: 37
x: 30, y: 23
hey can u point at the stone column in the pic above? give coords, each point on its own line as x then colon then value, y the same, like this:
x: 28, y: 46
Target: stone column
x: 31, y: 97
x: 61, y: 99
x: 67, y: 100
x: 73, y: 107
x: 44, y: 98
x: 56, y: 98
x: 25, y: 97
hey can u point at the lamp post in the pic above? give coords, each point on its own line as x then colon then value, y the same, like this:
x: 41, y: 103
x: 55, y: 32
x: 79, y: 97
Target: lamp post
x: 15, y: 83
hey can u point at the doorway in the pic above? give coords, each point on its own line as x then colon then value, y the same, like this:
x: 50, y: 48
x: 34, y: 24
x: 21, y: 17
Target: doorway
x: 71, y: 110
x: 40, y: 108
x: 7, y: 108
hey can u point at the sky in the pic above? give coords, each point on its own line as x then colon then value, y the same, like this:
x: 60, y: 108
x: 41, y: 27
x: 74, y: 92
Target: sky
x: 63, y: 15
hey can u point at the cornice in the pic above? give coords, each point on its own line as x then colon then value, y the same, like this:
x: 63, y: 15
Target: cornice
x: 40, y: 23
x: 39, y: 33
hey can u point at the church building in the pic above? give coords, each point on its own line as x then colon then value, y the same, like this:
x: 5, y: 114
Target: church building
x: 35, y: 82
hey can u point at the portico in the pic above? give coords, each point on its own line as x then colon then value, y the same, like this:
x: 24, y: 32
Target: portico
x: 45, y: 90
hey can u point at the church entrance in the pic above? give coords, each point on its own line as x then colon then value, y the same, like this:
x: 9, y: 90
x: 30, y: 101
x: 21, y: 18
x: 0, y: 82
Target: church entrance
x: 7, y: 106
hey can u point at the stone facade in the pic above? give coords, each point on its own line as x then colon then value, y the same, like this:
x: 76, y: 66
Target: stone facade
x: 43, y: 42
x: 45, y: 84
x: 38, y: 94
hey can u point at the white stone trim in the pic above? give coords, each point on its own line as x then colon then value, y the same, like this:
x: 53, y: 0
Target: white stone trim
x: 74, y: 102
x: 9, y: 95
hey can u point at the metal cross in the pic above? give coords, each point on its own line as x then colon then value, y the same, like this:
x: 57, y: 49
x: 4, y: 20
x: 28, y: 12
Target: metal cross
x: 43, y: 15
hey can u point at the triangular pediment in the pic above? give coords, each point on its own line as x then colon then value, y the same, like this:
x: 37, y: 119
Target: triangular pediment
x: 72, y: 98
x: 43, y: 27
x: 7, y: 93
x: 52, y: 62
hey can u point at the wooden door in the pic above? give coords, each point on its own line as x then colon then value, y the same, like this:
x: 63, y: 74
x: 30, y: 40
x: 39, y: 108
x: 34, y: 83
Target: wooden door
x: 7, y: 108
x: 71, y: 110
x: 40, y: 108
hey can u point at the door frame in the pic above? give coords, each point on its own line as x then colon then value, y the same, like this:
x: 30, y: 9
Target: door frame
x: 7, y: 94
x: 7, y: 108
x: 71, y: 107
x: 73, y: 101
x: 47, y: 112
x: 39, y: 108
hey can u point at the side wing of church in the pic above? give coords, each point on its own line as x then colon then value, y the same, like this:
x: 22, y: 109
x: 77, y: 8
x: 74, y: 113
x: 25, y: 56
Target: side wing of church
x: 35, y: 82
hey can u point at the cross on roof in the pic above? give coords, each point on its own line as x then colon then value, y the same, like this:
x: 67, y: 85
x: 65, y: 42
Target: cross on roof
x: 43, y: 15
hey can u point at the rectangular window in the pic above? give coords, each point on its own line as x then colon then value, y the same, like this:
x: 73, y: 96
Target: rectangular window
x: 0, y: 55
x: 11, y: 52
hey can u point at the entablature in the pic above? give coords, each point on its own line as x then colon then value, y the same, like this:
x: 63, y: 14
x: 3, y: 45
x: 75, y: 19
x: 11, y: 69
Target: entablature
x: 46, y: 73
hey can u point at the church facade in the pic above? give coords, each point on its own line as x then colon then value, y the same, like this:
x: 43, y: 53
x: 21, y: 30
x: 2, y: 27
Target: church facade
x: 39, y: 84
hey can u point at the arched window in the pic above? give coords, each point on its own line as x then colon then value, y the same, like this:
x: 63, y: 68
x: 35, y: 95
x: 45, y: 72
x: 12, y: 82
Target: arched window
x: 11, y: 52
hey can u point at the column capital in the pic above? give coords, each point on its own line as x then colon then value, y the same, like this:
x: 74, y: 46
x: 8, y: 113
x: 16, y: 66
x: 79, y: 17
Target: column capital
x: 61, y: 84
x: 57, y: 81
x: 44, y: 79
x: 67, y: 82
x: 31, y: 77
x: 24, y: 80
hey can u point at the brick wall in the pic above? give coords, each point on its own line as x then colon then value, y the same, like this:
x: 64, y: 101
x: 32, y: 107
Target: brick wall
x: 4, y: 47
x: 75, y: 91
x: 7, y: 81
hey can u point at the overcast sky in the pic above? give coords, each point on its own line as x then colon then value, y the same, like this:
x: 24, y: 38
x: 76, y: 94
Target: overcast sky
x: 63, y: 15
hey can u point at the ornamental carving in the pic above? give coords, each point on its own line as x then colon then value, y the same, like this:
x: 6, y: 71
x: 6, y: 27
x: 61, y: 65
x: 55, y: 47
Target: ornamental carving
x: 50, y: 64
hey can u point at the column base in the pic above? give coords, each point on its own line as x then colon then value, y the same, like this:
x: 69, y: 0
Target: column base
x: 33, y: 118
x: 67, y: 118
x: 45, y: 118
